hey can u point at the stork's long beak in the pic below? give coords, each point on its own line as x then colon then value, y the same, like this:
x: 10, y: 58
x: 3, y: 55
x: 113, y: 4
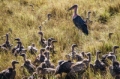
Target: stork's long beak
x: 17, y: 62
x: 70, y: 8
x: 74, y: 6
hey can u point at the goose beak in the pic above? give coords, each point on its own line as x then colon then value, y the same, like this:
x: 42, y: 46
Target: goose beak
x: 74, y: 6
x: 17, y: 62
x: 70, y: 9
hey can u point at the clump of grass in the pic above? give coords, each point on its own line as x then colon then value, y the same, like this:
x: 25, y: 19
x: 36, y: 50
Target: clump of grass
x: 103, y: 18
x: 113, y: 9
x: 24, y: 22
x: 24, y: 2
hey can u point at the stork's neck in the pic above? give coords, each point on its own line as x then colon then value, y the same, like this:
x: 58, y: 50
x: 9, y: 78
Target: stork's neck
x: 24, y: 58
x: 113, y: 50
x: 41, y: 36
x: 72, y: 49
x: 75, y: 13
x: 48, y: 56
x: 88, y: 16
x: 6, y: 38
x: 89, y: 57
x: 97, y: 55
x: 114, y: 58
x: 13, y: 65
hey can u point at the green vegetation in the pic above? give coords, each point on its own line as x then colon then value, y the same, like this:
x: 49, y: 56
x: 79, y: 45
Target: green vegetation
x: 25, y: 16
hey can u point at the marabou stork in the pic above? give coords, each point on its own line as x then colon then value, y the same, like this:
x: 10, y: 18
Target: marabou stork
x: 78, y: 21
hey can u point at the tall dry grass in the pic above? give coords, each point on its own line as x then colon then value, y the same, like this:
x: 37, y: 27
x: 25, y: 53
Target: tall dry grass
x: 25, y: 16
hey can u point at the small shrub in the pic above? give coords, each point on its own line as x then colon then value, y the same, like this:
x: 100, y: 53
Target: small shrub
x: 114, y: 9
x: 103, y: 18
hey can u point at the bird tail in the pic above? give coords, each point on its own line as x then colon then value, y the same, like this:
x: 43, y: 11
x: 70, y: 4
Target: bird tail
x: 85, y: 30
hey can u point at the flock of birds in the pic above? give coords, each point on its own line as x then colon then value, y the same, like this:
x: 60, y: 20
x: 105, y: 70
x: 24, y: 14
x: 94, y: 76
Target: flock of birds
x: 75, y: 65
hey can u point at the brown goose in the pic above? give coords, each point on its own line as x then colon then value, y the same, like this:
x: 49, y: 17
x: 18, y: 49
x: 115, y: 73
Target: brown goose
x: 52, y: 47
x: 73, y: 53
x: 65, y: 67
x: 98, y: 65
x: 88, y: 18
x: 115, y: 68
x: 10, y: 72
x: 80, y: 57
x: 113, y: 52
x: 32, y: 49
x: 17, y: 46
x: 43, y: 70
x: 110, y: 35
x: 6, y: 46
x: 20, y: 49
x: 27, y: 64
x: 81, y: 66
x: 40, y: 58
x: 47, y: 61
x: 42, y: 41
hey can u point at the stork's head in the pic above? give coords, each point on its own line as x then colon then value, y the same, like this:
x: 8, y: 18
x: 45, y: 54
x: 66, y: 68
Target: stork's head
x: 89, y: 12
x: 33, y: 44
x: 23, y: 54
x: 98, y: 52
x: 18, y: 42
x: 17, y: 39
x: 40, y: 27
x: 7, y: 34
x: 74, y: 45
x: 115, y: 47
x: 49, y: 16
x: 15, y: 62
x: 41, y: 33
x: 73, y: 7
x: 42, y: 50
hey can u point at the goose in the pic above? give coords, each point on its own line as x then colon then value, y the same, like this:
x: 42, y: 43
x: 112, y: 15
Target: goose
x: 10, y: 72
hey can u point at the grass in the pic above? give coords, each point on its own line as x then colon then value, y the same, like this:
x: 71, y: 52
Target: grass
x: 25, y: 16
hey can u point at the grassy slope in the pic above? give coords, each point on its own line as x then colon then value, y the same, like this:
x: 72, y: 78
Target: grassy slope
x: 24, y: 20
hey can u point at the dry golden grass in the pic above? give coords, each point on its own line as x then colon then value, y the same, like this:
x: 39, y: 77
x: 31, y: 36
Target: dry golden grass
x: 25, y: 16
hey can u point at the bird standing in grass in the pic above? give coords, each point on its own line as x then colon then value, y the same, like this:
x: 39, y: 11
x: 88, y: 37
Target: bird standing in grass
x: 78, y: 21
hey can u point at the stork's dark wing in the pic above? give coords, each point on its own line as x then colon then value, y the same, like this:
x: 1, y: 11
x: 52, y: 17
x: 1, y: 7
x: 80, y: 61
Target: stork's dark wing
x: 80, y: 24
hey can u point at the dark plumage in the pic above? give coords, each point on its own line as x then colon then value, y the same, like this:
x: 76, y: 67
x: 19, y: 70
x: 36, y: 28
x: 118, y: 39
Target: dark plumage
x: 17, y: 46
x: 64, y: 66
x: 40, y: 58
x: 42, y: 41
x: 110, y: 55
x: 98, y: 65
x: 78, y: 21
x: 49, y: 16
x: 80, y: 57
x: 6, y: 46
x: 32, y: 49
x: 52, y: 46
x: 72, y: 53
x: 9, y: 73
x: 20, y: 49
x: 115, y: 68
x: 27, y: 64
x: 109, y: 35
